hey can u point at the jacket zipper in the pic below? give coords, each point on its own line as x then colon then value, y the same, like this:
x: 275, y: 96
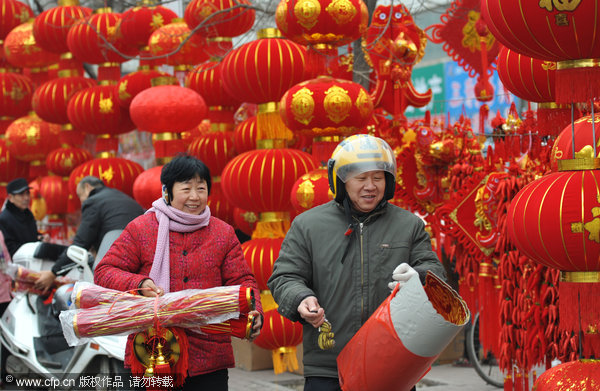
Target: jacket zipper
x: 362, y: 276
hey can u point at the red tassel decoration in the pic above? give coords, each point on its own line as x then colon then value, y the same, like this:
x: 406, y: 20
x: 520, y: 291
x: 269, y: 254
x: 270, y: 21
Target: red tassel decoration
x: 508, y: 384
x: 577, y: 84
x: 489, y: 311
x: 553, y: 118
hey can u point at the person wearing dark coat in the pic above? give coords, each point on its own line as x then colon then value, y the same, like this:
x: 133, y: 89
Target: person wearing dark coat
x: 16, y: 220
x: 103, y: 209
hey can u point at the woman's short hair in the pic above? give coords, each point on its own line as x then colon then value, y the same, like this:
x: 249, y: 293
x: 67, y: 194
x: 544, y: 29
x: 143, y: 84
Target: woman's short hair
x: 183, y: 168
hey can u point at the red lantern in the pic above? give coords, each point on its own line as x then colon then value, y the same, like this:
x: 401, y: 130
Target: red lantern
x: 326, y: 106
x: 310, y: 190
x: 262, y: 180
x: 138, y: 23
x: 115, y: 172
x: 147, y: 187
x: 12, y: 14
x: 219, y: 205
x: 87, y: 39
x: 220, y: 18
x: 51, y: 27
x: 245, y: 220
x: 15, y: 101
x: 10, y: 168
x: 30, y: 138
x: 62, y: 161
x: 23, y: 51
x: 167, y: 109
x: 244, y: 137
x: 552, y: 31
x: 55, y: 192
x: 281, y: 336
x: 177, y: 46
x: 135, y: 82
x: 260, y: 255
x: 584, y: 134
x: 215, y: 149
x: 580, y: 375
x: 50, y: 100
x: 206, y: 79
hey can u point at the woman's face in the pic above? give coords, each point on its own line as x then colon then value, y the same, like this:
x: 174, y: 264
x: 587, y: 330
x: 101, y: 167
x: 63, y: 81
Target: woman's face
x: 190, y: 196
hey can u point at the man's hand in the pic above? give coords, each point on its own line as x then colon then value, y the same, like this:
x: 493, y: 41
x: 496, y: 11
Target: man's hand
x: 257, y: 324
x: 44, y: 283
x: 149, y: 289
x: 401, y: 274
x: 310, y: 310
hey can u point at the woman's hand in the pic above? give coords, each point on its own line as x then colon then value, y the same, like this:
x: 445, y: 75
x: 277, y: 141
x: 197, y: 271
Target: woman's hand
x: 149, y: 289
x: 257, y: 325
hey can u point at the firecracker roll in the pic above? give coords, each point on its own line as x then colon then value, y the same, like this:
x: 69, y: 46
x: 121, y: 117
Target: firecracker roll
x: 191, y: 309
x: 24, y: 280
x: 395, y: 348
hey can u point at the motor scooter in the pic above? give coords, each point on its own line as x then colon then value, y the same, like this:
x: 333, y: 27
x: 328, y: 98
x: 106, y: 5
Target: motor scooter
x: 32, y: 333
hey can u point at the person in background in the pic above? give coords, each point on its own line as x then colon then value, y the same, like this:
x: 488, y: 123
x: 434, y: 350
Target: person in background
x: 5, y: 298
x: 337, y: 260
x: 178, y: 245
x: 16, y: 220
x: 103, y: 209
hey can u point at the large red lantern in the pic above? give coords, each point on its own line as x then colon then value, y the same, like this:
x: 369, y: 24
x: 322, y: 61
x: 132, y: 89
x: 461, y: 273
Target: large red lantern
x: 260, y: 255
x: 147, y: 187
x: 326, y: 106
x: 10, y: 168
x: 23, y: 51
x: 245, y: 220
x: 51, y: 27
x: 55, y: 191
x: 261, y: 180
x: 135, y: 82
x: 12, y: 14
x: 261, y: 71
x: 138, y: 23
x: 219, y: 204
x: 115, y: 172
x: 50, y: 100
x: 30, y: 138
x: 177, y: 46
x: 565, y: 32
x: 220, y: 18
x: 215, y: 149
x: 580, y: 375
x: 281, y: 336
x: 310, y: 190
x: 583, y: 128
x: 62, y: 161
x: 15, y: 101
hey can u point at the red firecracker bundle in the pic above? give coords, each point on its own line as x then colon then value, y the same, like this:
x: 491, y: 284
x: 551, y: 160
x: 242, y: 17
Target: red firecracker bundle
x: 24, y: 280
x: 105, y: 311
x: 404, y: 336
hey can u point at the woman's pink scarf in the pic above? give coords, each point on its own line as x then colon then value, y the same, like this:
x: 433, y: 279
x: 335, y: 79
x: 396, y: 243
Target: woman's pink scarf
x: 171, y: 219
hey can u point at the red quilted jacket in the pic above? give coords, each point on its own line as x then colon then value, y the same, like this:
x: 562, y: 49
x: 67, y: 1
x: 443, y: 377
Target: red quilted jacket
x: 209, y: 257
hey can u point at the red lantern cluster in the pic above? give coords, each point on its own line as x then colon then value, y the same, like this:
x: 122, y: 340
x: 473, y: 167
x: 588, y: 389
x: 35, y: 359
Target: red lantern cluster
x: 175, y: 44
x: 138, y: 23
x: 12, y: 14
x: 62, y: 161
x: 135, y: 82
x: 23, y: 51
x: 50, y: 100
x: 220, y: 18
x: 51, y: 27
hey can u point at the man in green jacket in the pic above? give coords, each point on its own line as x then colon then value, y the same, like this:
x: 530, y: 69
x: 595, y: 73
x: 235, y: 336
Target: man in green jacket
x: 339, y: 260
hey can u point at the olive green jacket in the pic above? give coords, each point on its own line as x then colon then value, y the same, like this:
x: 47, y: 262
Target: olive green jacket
x: 309, y: 263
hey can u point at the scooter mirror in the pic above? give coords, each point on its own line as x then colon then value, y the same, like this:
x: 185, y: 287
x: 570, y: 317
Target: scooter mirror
x: 77, y: 254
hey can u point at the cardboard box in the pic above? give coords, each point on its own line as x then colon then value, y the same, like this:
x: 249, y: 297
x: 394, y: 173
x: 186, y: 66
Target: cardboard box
x: 454, y: 351
x: 250, y: 357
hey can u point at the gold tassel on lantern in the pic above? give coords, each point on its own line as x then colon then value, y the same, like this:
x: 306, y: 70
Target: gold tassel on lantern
x: 269, y: 125
x: 284, y: 359
x: 272, y: 225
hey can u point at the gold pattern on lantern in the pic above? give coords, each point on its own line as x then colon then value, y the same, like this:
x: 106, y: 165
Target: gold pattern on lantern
x: 306, y: 193
x: 363, y: 103
x: 307, y: 12
x: 157, y: 21
x: 123, y: 94
x: 32, y: 134
x: 337, y: 104
x: 106, y: 105
x: 303, y: 105
x: 592, y: 227
x: 280, y: 16
x: 559, y: 5
x: 549, y: 65
x: 342, y: 11
x: 16, y: 93
x: 107, y: 175
x: 207, y: 9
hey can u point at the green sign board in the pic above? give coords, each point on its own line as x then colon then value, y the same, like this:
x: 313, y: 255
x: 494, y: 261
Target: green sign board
x: 424, y: 78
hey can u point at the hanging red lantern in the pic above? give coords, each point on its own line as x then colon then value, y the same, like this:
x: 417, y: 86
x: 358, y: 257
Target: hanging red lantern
x: 51, y: 27
x: 219, y: 204
x: 260, y: 255
x: 12, y: 14
x: 147, y: 187
x: 583, y: 128
x: 552, y: 31
x: 220, y: 18
x: 30, y: 138
x: 261, y: 180
x: 281, y: 336
x: 326, y: 106
x: 261, y: 71
x: 310, y: 190
x: 138, y: 23
x: 22, y: 50
x: 115, y: 172
x: 215, y: 149
x: 245, y: 220
x: 533, y: 80
x: 135, y: 82
x: 50, y: 100
x: 580, y: 375
x: 62, y: 161
x: 177, y: 46
x: 10, y: 168
x: 244, y: 136
x: 55, y: 192
x: 15, y: 101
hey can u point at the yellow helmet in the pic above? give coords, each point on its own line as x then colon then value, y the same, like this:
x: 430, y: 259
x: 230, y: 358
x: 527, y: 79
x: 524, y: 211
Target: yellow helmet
x: 358, y: 154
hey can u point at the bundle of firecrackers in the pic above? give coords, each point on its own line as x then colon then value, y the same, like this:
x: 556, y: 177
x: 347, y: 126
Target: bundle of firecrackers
x: 98, y: 311
x: 23, y: 280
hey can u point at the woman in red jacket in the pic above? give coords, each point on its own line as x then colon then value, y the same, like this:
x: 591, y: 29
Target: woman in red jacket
x: 178, y: 245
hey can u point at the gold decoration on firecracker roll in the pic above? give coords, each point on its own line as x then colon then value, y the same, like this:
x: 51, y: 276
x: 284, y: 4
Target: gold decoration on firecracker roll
x: 303, y: 105
x: 451, y: 307
x: 580, y: 164
x: 342, y: 11
x: 337, y: 104
x: 307, y: 12
x: 326, y: 335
